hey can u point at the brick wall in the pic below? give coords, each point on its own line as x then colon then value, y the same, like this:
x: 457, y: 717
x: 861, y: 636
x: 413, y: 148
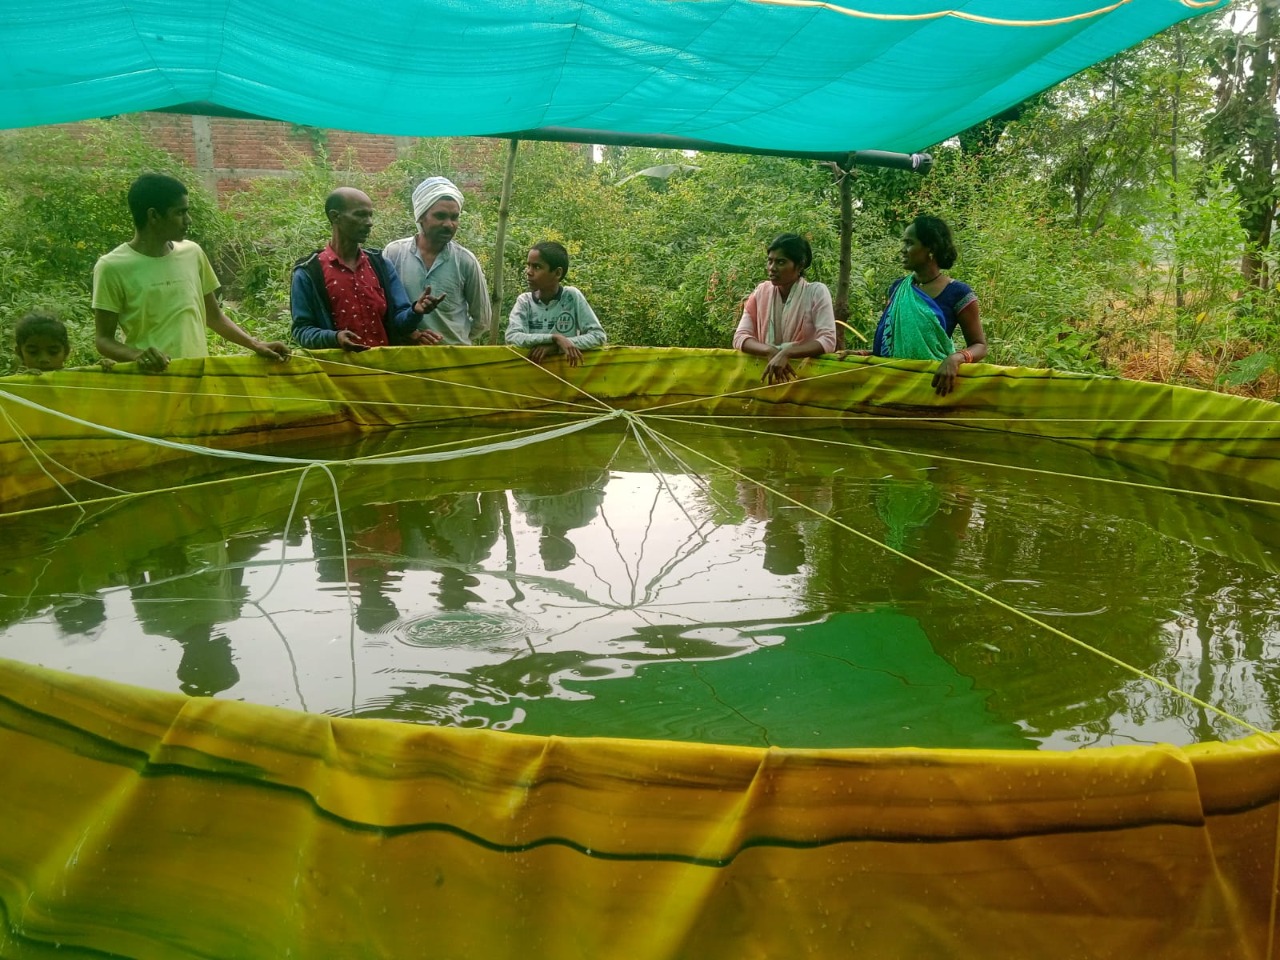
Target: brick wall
x: 172, y: 132
x: 229, y: 153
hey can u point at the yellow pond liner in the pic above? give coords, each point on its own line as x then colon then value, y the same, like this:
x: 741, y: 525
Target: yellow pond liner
x: 142, y: 824
x: 245, y: 402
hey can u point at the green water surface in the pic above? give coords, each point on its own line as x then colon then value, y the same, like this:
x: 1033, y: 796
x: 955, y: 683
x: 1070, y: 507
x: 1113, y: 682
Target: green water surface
x: 832, y: 588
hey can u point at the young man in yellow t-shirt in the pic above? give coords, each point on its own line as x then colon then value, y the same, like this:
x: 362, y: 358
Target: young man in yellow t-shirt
x: 159, y: 288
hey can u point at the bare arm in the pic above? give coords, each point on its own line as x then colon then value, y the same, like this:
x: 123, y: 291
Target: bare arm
x: 779, y: 369
x: 944, y: 381
x: 757, y: 348
x: 229, y: 330
x: 105, y: 323
x: 975, y: 338
x: 809, y: 348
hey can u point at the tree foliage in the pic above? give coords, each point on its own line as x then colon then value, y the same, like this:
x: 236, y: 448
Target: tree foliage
x: 1242, y: 133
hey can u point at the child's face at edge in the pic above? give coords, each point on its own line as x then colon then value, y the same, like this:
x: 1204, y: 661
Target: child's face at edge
x: 540, y: 277
x: 42, y: 352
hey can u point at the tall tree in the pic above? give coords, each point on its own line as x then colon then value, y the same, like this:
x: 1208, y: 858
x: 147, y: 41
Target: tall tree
x: 1109, y: 135
x: 1243, y: 132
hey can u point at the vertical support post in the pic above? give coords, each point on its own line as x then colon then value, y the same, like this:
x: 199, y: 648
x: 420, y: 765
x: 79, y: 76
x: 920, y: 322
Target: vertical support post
x: 202, y: 138
x: 846, y: 251
x: 500, y: 243
x: 1179, y: 273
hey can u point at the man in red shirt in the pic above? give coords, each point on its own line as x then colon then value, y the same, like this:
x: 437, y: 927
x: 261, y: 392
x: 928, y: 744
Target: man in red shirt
x: 346, y: 296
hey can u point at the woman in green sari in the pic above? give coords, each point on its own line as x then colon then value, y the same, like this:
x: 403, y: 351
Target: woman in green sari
x: 925, y: 307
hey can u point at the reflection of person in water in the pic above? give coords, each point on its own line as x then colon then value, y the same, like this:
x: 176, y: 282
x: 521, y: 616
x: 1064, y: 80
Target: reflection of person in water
x: 905, y: 506
x: 183, y: 591
x: 785, y: 523
x: 557, y: 510
x: 556, y: 550
x: 374, y: 552
x: 922, y: 514
x: 81, y: 617
x: 783, y: 545
x: 450, y: 534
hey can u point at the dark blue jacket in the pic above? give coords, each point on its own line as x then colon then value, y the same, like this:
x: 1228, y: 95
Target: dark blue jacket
x: 312, y: 312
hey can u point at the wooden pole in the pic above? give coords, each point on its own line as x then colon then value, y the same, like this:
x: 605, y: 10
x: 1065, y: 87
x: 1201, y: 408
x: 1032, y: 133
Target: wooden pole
x: 500, y: 243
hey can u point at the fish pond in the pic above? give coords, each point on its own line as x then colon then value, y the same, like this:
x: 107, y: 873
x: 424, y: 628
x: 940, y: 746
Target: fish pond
x: 839, y: 587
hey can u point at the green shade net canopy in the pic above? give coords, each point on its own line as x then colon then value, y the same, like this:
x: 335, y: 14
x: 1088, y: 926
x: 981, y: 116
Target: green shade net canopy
x: 792, y: 76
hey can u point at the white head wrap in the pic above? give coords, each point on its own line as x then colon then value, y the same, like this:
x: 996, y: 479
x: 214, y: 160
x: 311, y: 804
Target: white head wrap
x: 430, y: 192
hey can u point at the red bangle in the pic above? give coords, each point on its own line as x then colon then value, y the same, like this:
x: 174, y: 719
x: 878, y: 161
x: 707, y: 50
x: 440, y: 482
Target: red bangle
x: 968, y: 357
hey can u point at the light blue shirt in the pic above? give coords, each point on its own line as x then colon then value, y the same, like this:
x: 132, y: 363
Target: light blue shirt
x: 532, y: 322
x: 464, y: 312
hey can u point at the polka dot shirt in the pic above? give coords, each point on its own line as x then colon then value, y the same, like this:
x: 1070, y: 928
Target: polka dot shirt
x: 355, y: 297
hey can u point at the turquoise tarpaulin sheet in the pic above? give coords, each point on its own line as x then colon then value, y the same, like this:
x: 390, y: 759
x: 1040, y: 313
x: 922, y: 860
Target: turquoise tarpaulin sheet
x: 781, y: 75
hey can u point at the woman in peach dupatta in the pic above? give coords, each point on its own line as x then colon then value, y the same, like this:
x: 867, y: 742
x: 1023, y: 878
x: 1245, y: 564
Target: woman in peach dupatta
x: 787, y: 317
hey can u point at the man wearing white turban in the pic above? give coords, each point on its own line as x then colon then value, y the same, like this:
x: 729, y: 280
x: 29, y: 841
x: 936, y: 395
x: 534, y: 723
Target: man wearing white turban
x: 433, y: 264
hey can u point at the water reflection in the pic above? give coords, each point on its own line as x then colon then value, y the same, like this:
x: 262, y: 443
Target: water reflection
x: 183, y: 592
x: 555, y: 511
x: 80, y: 619
x: 576, y: 589
x: 369, y: 556
x: 788, y: 510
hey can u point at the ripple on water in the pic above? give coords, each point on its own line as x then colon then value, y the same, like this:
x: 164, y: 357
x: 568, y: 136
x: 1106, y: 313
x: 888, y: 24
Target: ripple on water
x: 464, y: 628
